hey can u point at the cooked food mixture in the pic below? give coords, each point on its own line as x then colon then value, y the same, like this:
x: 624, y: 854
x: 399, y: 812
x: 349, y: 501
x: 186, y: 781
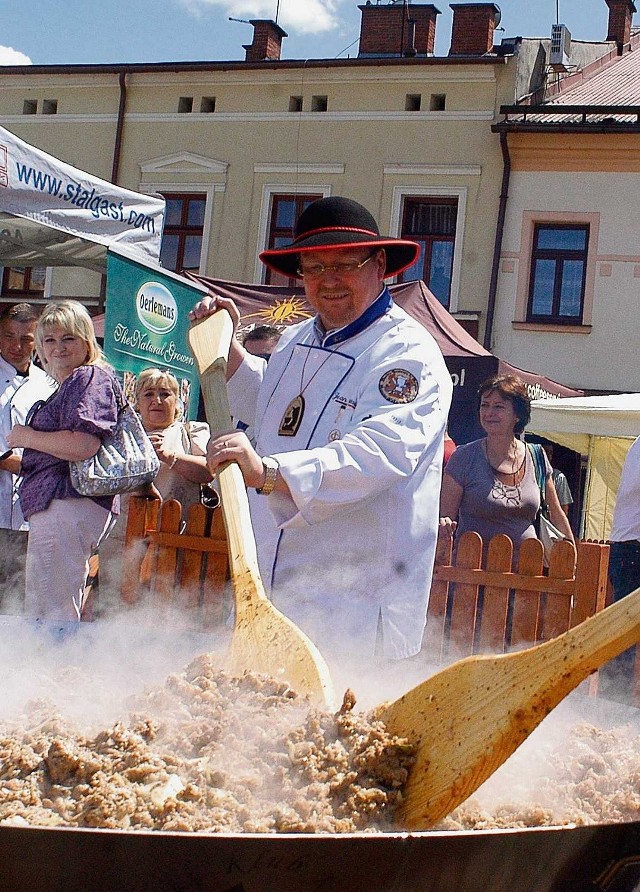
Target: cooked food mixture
x: 205, y: 752
x: 209, y: 752
x: 591, y: 777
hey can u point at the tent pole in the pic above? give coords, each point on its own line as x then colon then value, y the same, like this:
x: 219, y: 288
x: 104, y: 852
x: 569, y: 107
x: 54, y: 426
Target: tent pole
x: 587, y: 490
x: 497, y: 247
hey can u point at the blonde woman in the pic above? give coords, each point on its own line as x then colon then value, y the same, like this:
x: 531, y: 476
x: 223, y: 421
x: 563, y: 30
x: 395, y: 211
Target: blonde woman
x: 181, y: 447
x: 63, y: 525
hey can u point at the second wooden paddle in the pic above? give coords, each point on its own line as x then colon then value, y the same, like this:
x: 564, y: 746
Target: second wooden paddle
x: 468, y: 719
x: 263, y: 640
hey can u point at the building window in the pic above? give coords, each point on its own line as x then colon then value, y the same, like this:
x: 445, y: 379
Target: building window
x: 208, y: 104
x: 558, y: 273
x: 437, y: 102
x: 183, y: 230
x: 432, y: 223
x: 295, y: 103
x: 23, y: 283
x: 412, y: 102
x: 285, y: 210
x: 319, y: 103
x: 49, y: 106
x: 30, y: 107
x: 185, y: 105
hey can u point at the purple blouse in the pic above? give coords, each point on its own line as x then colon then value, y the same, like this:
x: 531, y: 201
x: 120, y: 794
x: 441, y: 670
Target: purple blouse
x: 85, y: 401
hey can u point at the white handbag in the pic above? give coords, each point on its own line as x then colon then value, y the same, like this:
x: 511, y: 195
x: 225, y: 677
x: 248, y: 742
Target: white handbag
x: 125, y: 460
x: 545, y: 530
x: 548, y: 535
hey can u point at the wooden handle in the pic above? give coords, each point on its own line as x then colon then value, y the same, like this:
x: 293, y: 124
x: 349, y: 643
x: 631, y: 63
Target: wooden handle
x: 467, y: 719
x: 580, y: 651
x: 210, y: 340
x: 264, y: 640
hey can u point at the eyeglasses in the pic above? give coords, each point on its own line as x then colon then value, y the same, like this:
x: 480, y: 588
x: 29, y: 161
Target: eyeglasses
x: 345, y: 268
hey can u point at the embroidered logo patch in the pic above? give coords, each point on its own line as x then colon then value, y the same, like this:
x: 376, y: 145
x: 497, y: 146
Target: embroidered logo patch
x: 398, y: 386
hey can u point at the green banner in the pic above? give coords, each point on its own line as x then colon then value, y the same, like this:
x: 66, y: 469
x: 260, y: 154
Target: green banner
x: 146, y: 325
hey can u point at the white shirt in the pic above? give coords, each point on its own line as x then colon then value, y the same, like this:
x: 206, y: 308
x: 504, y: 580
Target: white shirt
x: 18, y: 393
x: 355, y: 542
x: 626, y: 515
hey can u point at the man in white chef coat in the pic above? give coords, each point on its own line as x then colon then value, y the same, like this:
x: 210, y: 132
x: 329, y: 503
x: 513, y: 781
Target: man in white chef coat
x: 21, y: 385
x: 349, y: 415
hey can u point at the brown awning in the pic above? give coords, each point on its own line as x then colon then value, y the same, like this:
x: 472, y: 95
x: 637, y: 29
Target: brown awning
x: 467, y: 360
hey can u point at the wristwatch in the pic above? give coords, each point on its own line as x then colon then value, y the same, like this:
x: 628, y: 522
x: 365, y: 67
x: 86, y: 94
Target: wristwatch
x: 270, y: 466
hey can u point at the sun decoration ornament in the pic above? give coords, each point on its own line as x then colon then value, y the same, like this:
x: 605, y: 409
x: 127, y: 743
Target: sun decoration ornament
x: 281, y: 312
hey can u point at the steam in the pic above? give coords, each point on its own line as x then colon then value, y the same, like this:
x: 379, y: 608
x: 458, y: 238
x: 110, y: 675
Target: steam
x: 88, y: 671
x: 579, y: 766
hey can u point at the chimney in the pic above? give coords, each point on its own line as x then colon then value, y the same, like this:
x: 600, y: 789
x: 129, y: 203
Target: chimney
x: 267, y: 41
x: 473, y: 27
x: 620, y: 15
x: 397, y: 29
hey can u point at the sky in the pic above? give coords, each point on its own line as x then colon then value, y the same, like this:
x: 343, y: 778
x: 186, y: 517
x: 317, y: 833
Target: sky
x: 52, y: 32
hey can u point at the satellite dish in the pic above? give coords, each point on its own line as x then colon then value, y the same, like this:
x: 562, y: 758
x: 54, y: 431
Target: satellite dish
x: 498, y: 17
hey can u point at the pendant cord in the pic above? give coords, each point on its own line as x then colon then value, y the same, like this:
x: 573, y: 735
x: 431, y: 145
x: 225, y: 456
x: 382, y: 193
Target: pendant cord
x: 514, y: 471
x: 500, y: 491
x: 294, y: 413
x: 320, y: 367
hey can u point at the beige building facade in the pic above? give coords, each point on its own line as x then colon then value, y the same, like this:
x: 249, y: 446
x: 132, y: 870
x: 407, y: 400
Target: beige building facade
x: 238, y: 149
x: 568, y: 288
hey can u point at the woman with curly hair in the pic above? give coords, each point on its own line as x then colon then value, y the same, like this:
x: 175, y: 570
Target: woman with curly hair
x: 490, y: 485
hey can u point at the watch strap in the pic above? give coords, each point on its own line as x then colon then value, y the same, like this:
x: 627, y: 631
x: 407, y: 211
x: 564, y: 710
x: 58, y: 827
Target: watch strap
x: 270, y: 466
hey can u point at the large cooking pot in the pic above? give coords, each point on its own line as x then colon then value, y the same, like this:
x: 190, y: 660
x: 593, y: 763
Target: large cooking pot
x: 582, y: 859
x: 600, y: 858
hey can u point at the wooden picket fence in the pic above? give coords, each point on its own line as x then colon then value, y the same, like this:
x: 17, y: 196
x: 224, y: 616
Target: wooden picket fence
x: 474, y: 607
x: 489, y: 607
x: 176, y: 561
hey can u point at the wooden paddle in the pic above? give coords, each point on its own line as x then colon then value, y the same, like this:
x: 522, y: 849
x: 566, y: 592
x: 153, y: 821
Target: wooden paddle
x: 263, y: 640
x: 469, y: 718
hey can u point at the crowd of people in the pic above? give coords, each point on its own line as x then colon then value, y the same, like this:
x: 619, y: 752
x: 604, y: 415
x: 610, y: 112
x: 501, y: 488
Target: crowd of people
x: 339, y: 429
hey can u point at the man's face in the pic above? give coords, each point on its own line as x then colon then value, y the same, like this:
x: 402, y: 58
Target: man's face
x: 17, y: 340
x: 340, y: 297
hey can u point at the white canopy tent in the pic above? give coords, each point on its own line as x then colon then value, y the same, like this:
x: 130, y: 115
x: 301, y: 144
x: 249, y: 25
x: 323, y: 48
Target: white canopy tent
x: 602, y: 428
x: 52, y: 214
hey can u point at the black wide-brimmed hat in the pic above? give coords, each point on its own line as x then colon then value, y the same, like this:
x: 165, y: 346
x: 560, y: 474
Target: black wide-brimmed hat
x: 336, y: 222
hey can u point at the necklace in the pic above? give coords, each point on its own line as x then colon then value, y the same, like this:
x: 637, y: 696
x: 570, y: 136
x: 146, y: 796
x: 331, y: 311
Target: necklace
x: 294, y: 413
x: 501, y: 491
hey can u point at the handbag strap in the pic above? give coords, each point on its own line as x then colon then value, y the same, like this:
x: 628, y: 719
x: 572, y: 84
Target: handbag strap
x: 538, y: 463
x: 121, y: 400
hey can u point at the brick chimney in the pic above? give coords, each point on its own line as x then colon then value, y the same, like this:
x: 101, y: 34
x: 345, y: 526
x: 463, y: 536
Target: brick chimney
x: 620, y: 15
x: 473, y: 27
x: 397, y: 29
x: 267, y: 41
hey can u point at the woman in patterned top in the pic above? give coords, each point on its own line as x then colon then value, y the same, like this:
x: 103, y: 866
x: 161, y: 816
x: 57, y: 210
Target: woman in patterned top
x: 490, y: 485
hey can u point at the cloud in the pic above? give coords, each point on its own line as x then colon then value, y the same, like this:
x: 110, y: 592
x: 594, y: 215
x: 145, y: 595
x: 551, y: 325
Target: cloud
x: 308, y: 17
x: 9, y: 56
